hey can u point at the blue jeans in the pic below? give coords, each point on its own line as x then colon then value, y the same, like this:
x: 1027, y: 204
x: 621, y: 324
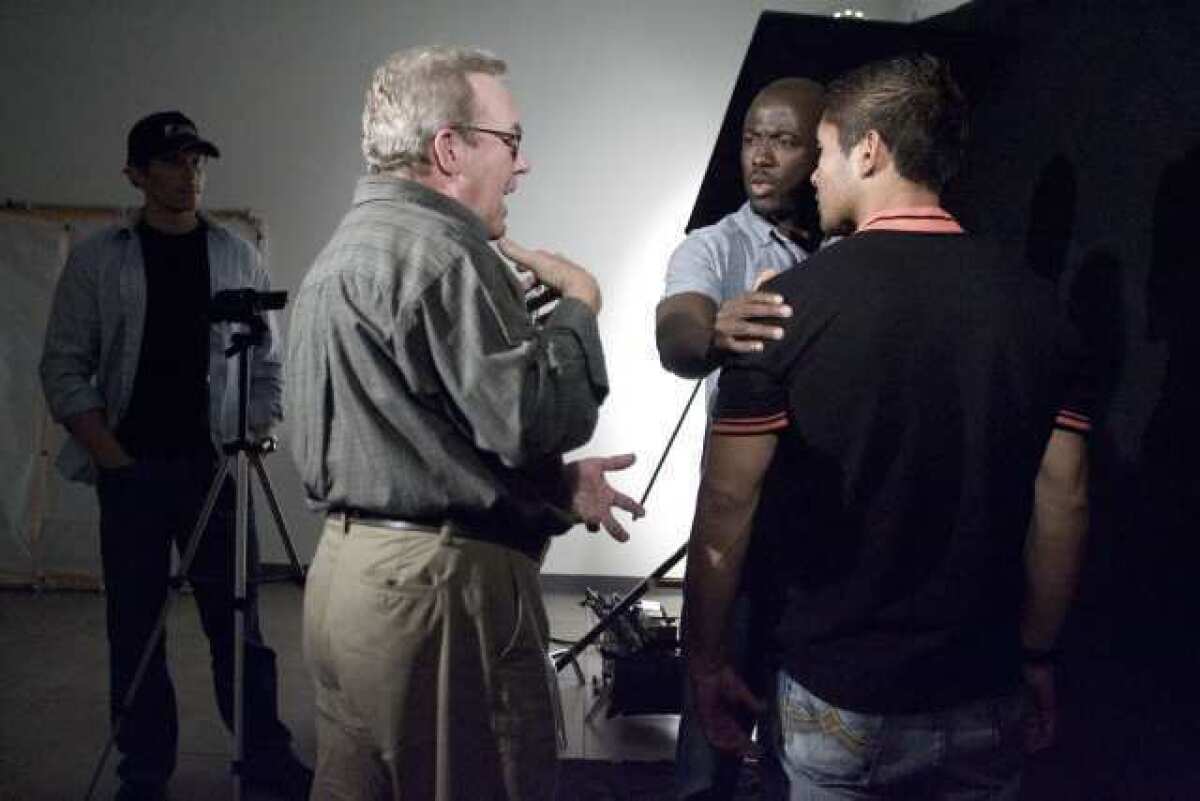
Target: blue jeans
x: 966, y: 753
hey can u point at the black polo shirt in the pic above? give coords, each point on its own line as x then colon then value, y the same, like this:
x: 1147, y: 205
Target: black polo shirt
x: 913, y: 394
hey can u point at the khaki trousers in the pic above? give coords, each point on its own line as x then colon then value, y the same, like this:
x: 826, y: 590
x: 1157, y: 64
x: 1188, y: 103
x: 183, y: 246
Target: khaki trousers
x: 433, y: 683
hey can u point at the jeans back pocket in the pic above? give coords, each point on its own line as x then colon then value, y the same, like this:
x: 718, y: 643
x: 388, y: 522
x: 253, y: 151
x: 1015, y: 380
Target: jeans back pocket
x: 824, y: 742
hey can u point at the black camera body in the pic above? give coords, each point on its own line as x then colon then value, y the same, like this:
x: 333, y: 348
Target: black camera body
x: 244, y: 305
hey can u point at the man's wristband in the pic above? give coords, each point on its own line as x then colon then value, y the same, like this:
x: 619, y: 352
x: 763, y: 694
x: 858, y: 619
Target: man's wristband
x: 1039, y: 656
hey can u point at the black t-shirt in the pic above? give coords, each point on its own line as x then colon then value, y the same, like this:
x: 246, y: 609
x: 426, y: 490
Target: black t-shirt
x: 913, y: 394
x: 168, y: 413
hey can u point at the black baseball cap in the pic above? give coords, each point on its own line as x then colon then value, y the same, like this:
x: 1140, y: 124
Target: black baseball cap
x: 163, y: 134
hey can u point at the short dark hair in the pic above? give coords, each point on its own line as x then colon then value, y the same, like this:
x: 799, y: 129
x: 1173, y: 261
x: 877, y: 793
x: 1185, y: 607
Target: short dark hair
x: 916, y: 107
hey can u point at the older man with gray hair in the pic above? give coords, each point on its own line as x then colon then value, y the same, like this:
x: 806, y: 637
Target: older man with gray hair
x: 431, y: 414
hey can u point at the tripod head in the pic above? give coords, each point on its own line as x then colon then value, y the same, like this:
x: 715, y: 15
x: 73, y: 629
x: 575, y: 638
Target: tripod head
x: 245, y: 306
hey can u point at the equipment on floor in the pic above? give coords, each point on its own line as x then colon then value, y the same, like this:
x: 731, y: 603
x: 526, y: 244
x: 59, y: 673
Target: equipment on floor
x: 642, y: 671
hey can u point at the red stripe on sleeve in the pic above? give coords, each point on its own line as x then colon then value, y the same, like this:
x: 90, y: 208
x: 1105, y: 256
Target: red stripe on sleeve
x: 750, y: 425
x: 1073, y: 421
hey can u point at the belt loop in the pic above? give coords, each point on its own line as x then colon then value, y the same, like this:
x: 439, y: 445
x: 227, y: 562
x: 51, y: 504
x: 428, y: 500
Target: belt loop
x: 345, y: 523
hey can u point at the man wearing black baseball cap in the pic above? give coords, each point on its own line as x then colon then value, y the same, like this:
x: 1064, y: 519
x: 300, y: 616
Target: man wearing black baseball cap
x: 163, y: 134
x: 137, y: 373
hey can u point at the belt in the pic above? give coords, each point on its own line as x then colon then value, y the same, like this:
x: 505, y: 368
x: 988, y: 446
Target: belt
x: 348, y: 518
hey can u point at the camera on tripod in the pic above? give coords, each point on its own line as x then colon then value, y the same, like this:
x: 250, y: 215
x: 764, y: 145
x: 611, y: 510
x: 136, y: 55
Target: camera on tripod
x: 244, y: 305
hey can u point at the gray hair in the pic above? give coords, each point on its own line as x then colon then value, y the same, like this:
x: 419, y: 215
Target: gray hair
x: 415, y: 93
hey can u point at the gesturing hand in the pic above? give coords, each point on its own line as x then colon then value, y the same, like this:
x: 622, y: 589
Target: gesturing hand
x: 593, y: 498
x: 732, y: 330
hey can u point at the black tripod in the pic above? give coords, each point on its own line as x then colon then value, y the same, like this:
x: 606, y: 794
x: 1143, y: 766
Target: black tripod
x: 243, y: 453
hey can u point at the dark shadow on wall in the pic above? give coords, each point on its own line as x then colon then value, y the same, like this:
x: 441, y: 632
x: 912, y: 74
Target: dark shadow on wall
x: 1051, y: 218
x: 1093, y: 294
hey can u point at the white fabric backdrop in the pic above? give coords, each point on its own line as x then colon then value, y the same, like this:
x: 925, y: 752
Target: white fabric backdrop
x: 48, y: 526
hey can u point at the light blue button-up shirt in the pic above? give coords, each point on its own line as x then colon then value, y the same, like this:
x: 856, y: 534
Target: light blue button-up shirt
x: 94, y: 336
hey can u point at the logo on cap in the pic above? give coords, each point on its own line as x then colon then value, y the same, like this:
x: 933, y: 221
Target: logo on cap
x: 172, y: 129
x: 163, y: 134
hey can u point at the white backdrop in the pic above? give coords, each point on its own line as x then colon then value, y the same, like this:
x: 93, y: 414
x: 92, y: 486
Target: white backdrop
x: 48, y: 525
x: 622, y: 102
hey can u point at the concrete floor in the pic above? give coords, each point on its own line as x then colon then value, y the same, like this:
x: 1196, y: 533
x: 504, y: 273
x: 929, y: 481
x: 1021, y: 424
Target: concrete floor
x: 1130, y: 726
x: 53, y: 689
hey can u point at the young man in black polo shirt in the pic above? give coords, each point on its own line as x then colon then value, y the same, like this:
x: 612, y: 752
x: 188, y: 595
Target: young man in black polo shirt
x: 911, y: 453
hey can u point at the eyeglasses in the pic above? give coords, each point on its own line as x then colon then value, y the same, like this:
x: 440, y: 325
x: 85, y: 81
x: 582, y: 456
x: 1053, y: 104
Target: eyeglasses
x: 512, y: 139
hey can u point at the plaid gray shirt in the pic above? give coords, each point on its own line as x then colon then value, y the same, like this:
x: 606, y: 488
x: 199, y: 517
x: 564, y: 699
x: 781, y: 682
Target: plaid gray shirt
x: 418, y: 387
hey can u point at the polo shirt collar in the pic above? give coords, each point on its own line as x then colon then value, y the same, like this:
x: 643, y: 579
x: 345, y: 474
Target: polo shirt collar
x: 913, y: 219
x: 403, y: 190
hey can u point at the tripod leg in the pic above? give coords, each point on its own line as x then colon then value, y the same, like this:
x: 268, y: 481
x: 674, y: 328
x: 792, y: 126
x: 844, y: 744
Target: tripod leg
x: 573, y: 661
x: 241, y: 553
x: 210, y: 502
x: 298, y: 570
x: 139, y: 674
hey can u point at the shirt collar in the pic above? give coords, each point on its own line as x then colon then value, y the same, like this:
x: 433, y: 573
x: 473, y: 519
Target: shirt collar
x: 913, y: 219
x: 753, y: 224
x: 760, y: 230
x: 380, y: 187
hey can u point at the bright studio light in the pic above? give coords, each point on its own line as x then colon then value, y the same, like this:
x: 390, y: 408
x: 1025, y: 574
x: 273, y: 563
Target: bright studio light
x: 849, y: 13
